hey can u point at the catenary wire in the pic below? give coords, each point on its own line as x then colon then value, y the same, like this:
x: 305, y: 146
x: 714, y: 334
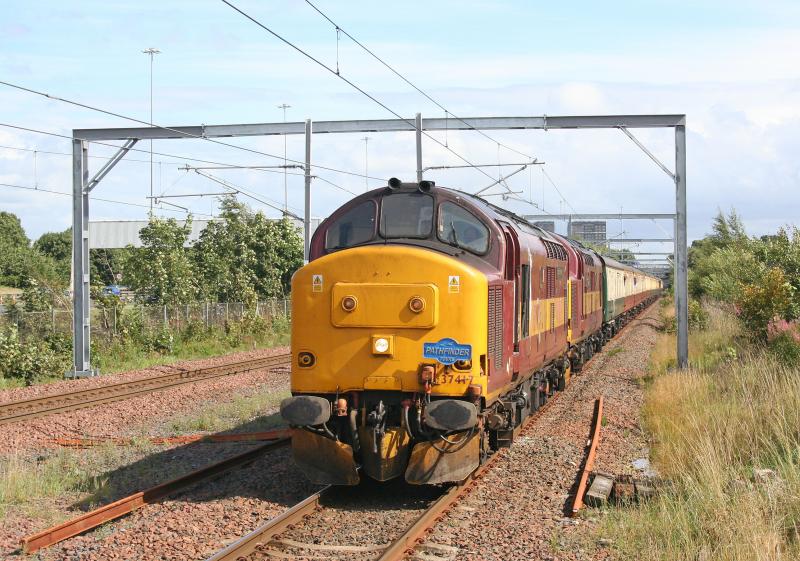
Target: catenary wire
x: 410, y: 83
x: 553, y: 183
x: 349, y: 82
x: 68, y: 137
x: 244, y: 192
x: 112, y: 201
x: 176, y: 131
x: 247, y: 193
x: 38, y: 151
x: 185, y: 158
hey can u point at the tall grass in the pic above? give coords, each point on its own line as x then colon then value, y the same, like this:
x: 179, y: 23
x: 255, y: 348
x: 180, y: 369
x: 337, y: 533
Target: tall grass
x: 714, y: 428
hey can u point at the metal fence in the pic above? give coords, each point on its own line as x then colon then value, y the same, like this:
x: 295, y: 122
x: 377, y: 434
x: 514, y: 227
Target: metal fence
x: 109, y: 321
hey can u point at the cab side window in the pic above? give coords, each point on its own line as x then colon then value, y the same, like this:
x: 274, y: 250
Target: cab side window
x: 459, y: 227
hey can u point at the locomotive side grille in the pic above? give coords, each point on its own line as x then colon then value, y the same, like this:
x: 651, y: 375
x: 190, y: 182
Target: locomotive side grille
x: 551, y: 282
x: 495, y: 343
x: 576, y: 303
x: 552, y: 316
x: 587, y: 259
x: 554, y: 250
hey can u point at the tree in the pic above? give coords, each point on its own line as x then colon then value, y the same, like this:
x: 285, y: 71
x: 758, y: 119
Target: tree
x: 161, y: 270
x: 107, y: 264
x: 246, y: 255
x: 728, y: 230
x: 622, y: 254
x: 708, y: 267
x: 11, y: 232
x: 57, y: 245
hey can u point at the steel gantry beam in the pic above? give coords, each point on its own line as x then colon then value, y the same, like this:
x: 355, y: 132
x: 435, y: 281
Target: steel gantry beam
x: 636, y: 240
x: 386, y: 125
x: 601, y: 216
x: 80, y: 215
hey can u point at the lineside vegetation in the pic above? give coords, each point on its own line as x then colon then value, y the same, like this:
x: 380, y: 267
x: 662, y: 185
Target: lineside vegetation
x: 243, y: 258
x: 726, y: 432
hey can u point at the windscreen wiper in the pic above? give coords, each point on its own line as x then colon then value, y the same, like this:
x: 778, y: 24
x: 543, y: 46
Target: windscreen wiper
x: 455, y: 237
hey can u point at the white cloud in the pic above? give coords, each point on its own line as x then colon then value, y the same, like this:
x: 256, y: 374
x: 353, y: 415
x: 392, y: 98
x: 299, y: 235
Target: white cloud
x: 739, y: 88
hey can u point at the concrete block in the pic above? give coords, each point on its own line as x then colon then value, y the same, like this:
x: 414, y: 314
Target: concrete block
x: 599, y: 491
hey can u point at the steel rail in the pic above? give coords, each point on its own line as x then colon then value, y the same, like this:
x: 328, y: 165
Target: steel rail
x: 404, y: 545
x: 70, y: 401
x: 247, y: 544
x: 111, y: 511
x: 181, y: 439
x: 594, y: 440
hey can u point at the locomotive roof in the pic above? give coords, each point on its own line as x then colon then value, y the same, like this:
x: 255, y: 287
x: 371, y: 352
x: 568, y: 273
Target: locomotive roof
x: 499, y: 212
x: 492, y: 211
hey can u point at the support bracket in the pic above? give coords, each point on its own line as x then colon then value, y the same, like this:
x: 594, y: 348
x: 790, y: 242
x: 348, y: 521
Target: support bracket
x: 109, y: 165
x: 644, y: 149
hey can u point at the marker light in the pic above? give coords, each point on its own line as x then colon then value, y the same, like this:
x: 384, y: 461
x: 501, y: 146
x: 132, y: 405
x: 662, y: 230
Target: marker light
x: 306, y: 359
x: 416, y: 304
x: 381, y: 345
x: 349, y: 303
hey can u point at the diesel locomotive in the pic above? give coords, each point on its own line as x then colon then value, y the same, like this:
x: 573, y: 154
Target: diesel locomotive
x: 429, y: 323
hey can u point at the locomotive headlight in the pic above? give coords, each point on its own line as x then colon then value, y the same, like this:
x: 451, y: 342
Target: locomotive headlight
x: 383, y: 345
x: 416, y: 304
x: 349, y: 303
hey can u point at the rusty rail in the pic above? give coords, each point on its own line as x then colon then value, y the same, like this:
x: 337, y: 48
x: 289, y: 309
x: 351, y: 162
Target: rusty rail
x: 183, y: 439
x: 94, y: 518
x: 70, y: 401
x: 577, y: 503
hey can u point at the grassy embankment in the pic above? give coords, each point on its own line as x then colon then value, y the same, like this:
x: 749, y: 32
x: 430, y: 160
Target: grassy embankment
x: 116, y: 357
x: 726, y: 433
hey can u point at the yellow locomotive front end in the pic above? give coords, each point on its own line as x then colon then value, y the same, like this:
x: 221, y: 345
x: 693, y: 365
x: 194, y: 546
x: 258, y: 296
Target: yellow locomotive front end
x: 389, y: 365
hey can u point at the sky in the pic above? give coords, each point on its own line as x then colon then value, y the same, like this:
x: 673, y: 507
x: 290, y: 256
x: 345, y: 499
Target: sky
x: 731, y: 67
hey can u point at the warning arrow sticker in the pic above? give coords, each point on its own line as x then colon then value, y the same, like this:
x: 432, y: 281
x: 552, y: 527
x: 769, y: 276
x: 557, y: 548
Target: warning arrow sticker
x: 316, y: 283
x: 454, y: 283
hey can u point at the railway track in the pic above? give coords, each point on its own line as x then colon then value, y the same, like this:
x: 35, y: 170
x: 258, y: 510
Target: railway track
x: 268, y: 541
x: 70, y: 401
x: 265, y: 542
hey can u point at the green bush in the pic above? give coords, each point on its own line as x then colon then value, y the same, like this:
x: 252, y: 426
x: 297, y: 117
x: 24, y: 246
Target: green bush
x: 29, y: 361
x: 130, y: 324
x: 194, y: 329
x: 760, y: 303
x: 698, y: 318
